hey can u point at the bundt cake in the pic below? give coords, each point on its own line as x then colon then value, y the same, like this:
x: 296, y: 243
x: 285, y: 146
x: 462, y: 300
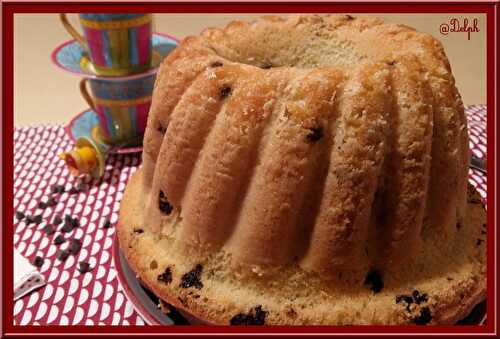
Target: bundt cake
x: 308, y: 170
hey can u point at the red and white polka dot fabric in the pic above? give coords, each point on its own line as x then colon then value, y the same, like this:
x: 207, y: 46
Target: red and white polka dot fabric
x: 95, y: 298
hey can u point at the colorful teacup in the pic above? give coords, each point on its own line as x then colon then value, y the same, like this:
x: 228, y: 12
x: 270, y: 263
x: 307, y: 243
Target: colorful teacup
x: 117, y: 44
x: 122, y: 107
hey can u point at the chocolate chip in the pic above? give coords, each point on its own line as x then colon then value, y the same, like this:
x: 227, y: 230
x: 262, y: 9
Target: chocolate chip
x: 225, y: 91
x: 59, y: 239
x: 42, y: 205
x: 166, y: 276
x: 349, y: 17
x: 483, y: 232
x: 19, y: 215
x: 391, y: 62
x: 138, y: 230
x: 374, y: 281
x: 459, y: 225
x: 479, y: 241
x: 161, y: 129
x: 217, y: 64
x: 406, y: 298
x: 57, y: 189
x: 83, y: 267
x: 37, y: 219
x: 424, y: 317
x: 81, y: 186
x: 74, y: 246
x: 266, y: 66
x: 51, y: 202
x: 66, y: 228
x: 29, y: 220
x: 74, y: 222
x: 49, y: 229
x: 256, y: 316
x: 38, y: 261
x: 192, y: 278
x: 107, y: 224
x: 57, y: 220
x: 62, y: 255
x: 164, y: 205
x: 315, y: 134
x: 419, y: 298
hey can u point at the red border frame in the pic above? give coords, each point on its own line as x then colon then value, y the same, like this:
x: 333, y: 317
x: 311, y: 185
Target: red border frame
x: 490, y: 8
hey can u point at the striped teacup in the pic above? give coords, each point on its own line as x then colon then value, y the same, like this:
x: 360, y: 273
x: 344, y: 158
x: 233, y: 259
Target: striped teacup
x: 122, y: 107
x: 117, y: 44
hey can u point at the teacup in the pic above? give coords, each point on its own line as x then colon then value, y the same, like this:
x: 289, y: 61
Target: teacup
x: 117, y: 44
x: 122, y: 107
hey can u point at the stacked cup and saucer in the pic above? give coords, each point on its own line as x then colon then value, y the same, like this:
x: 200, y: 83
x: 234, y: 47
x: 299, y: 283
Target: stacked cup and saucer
x: 117, y: 57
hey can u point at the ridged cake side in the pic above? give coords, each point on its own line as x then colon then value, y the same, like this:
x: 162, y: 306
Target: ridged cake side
x: 327, y: 141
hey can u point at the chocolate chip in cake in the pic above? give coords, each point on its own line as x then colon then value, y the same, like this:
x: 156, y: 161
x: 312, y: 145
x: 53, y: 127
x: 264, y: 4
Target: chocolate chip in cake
x: 74, y: 246
x: 479, y: 241
x: 38, y: 261
x: 164, y: 205
x: 225, y: 91
x: 48, y: 229
x: 161, y: 129
x: 192, y: 278
x: 266, y: 66
x: 406, y: 298
x: 315, y: 134
x: 483, y: 232
x: 216, y: 64
x: 391, y: 62
x: 424, y: 317
x: 153, y: 265
x: 19, y: 215
x: 459, y: 225
x: 256, y: 316
x: 57, y: 220
x: 374, y: 281
x: 83, y: 267
x: 166, y: 276
x: 59, y: 239
x: 62, y: 255
x: 107, y: 224
x: 349, y: 17
x: 138, y: 230
x: 37, y: 219
x: 419, y: 298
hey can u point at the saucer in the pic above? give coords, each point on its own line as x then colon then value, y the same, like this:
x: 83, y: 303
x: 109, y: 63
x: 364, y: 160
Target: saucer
x: 85, y: 124
x: 70, y: 57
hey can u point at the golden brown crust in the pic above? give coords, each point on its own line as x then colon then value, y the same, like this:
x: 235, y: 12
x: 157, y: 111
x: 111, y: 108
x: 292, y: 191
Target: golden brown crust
x: 312, y: 146
x: 454, y: 283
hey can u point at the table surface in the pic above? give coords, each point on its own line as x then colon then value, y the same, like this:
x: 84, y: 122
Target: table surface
x: 96, y: 297
x: 45, y: 94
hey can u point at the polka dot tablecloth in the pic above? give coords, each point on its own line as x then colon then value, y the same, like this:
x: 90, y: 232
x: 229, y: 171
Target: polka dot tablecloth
x: 95, y: 298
